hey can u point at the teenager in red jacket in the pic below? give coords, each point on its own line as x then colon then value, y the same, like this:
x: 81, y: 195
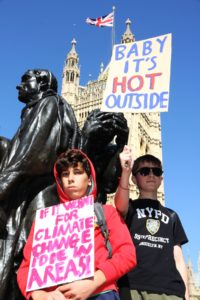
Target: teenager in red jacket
x: 75, y: 178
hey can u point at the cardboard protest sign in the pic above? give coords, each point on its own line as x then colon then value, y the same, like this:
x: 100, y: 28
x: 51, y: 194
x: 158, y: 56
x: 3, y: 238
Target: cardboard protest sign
x: 63, y: 244
x: 139, y: 76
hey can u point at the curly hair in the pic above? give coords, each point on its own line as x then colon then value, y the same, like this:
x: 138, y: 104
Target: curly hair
x: 71, y: 158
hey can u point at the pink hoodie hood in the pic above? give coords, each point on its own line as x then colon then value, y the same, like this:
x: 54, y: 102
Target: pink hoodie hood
x: 93, y: 189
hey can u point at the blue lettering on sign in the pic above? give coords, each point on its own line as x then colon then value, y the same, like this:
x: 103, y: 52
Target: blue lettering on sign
x: 122, y: 51
x: 133, y: 50
x: 137, y: 63
x: 164, y: 99
x: 154, y: 63
x: 153, y: 101
x: 119, y: 52
x: 138, y: 101
x: 147, y: 48
x: 161, y: 42
x: 110, y: 101
x: 126, y: 66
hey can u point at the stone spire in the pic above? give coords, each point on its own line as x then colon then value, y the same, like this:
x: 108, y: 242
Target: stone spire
x: 101, y: 68
x: 72, y: 55
x: 199, y: 263
x: 71, y: 75
x: 128, y: 36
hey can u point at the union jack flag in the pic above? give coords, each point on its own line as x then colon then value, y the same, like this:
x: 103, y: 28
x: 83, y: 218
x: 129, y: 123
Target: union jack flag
x: 102, y: 21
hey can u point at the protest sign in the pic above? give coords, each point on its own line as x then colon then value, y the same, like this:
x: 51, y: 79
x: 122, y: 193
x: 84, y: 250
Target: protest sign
x: 63, y: 244
x: 139, y: 76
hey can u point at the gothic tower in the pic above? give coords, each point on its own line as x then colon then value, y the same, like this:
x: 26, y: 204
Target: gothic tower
x: 144, y: 128
x: 71, y: 75
x: 128, y: 36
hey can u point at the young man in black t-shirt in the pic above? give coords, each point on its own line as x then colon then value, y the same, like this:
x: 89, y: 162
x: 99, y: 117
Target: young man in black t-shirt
x: 157, y: 233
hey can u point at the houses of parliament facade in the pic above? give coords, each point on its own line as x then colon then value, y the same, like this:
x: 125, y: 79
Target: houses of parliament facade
x: 144, y: 128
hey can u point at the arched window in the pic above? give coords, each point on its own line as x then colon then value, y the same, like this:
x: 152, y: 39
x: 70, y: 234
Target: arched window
x: 72, y: 76
x: 67, y: 76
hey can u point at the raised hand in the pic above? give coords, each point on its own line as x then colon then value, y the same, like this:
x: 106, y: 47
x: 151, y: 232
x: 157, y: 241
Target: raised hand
x: 126, y: 159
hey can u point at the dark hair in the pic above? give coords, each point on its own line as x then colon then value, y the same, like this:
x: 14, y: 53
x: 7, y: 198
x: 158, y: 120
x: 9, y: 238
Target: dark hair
x: 146, y: 158
x: 71, y: 158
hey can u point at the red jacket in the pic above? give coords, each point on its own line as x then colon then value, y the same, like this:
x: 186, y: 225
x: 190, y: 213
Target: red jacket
x: 123, y: 258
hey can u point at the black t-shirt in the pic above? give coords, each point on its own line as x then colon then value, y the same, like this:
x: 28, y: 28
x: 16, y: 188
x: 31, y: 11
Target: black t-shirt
x: 155, y: 230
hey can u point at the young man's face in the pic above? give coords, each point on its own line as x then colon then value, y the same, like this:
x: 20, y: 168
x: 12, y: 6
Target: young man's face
x: 75, y: 182
x: 150, y: 182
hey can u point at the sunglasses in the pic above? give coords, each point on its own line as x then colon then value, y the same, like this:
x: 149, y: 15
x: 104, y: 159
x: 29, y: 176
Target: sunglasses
x: 145, y: 171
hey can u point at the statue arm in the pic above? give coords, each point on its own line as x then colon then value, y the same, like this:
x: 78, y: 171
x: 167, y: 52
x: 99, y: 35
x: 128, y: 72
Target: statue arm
x: 104, y: 136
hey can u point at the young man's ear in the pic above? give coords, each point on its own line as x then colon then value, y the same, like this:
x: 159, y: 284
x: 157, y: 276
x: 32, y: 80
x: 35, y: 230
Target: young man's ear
x: 90, y: 181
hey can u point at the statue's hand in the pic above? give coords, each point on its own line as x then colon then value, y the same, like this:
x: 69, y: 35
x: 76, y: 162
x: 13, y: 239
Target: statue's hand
x: 100, y: 127
x: 121, y: 129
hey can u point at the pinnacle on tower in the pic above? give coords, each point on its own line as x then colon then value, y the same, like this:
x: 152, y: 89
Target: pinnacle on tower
x: 128, y: 36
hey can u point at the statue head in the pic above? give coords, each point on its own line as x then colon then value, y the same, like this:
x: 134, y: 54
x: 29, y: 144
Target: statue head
x: 34, y: 83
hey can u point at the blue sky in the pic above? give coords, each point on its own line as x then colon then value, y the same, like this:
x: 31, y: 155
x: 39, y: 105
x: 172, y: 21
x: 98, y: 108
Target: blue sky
x: 39, y: 34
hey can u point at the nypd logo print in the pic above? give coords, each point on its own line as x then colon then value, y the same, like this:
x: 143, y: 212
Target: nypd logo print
x: 152, y: 226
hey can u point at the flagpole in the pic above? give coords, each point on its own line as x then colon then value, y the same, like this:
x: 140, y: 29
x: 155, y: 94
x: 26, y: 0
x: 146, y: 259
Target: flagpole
x: 113, y: 28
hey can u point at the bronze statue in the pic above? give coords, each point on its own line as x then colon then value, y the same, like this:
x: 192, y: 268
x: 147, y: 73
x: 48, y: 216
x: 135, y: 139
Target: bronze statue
x: 48, y: 127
